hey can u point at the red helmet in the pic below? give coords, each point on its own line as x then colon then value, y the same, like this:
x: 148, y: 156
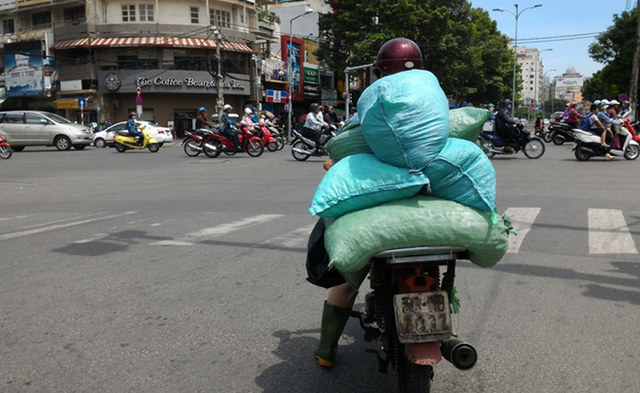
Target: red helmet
x: 572, y: 104
x: 397, y: 55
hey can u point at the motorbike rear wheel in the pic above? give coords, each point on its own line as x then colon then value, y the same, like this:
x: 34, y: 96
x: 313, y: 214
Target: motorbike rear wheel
x: 631, y: 152
x: 582, y: 154
x: 280, y: 142
x: 534, y: 149
x: 212, y: 153
x: 190, y: 148
x: 5, y: 152
x: 558, y: 140
x: 548, y: 136
x: 153, y: 147
x: 301, y: 146
x: 255, y: 148
x: 272, y: 146
x: 120, y: 147
x: 413, y: 378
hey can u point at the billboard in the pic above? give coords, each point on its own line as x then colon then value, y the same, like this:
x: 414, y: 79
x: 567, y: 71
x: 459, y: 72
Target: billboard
x: 297, y: 60
x: 23, y: 68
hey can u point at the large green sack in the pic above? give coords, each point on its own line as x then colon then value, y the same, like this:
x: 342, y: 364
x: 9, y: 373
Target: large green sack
x: 419, y: 221
x: 349, y: 141
x: 467, y: 123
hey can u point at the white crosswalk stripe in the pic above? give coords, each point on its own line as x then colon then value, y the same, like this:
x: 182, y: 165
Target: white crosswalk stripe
x: 522, y: 219
x: 295, y: 238
x: 608, y: 233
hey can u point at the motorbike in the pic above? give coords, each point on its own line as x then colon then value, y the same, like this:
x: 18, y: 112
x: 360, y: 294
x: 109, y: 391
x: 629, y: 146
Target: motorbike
x: 590, y: 145
x: 268, y: 139
x: 216, y: 143
x: 302, y: 147
x: 631, y: 127
x: 5, y: 149
x: 281, y: 139
x: 125, y: 141
x: 195, y: 142
x: 531, y: 146
x: 561, y: 133
x: 410, y: 309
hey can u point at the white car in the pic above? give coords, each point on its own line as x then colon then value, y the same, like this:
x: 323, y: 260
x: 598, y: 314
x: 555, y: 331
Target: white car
x: 104, y: 138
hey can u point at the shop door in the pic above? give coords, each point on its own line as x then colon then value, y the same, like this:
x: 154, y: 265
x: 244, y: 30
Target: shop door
x: 183, y: 122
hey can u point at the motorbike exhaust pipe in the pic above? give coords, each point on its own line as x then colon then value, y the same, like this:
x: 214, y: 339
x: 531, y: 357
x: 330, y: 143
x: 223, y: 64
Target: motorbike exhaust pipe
x: 212, y: 147
x: 301, y: 151
x: 459, y: 353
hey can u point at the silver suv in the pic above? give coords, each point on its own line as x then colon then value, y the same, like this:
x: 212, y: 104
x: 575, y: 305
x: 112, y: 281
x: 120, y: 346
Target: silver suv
x: 35, y: 128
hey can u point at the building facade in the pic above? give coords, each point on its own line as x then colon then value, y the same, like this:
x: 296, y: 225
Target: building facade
x: 162, y: 59
x: 568, y: 86
x: 532, y: 76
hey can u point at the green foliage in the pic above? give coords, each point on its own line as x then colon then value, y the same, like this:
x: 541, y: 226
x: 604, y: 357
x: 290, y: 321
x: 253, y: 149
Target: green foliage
x: 461, y: 45
x: 266, y: 16
x: 614, y: 48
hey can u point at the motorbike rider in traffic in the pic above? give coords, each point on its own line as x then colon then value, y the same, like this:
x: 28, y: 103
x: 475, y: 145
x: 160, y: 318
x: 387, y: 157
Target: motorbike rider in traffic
x: 201, y: 120
x: 314, y: 124
x: 133, y: 130
x: 396, y: 55
x: 226, y: 127
x: 504, y: 125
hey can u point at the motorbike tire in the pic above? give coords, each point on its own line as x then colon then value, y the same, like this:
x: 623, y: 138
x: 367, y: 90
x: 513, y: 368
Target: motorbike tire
x: 153, y: 147
x: 534, y: 149
x: 272, y: 146
x: 280, y: 142
x: 302, y: 146
x: 413, y: 378
x: 213, y: 153
x: 558, y: 140
x: 631, y: 152
x: 189, y: 148
x: 582, y: 154
x: 548, y: 136
x: 5, y: 152
x: 120, y: 147
x: 255, y: 148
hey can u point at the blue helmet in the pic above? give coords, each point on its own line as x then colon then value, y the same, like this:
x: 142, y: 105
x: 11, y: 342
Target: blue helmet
x: 202, y: 109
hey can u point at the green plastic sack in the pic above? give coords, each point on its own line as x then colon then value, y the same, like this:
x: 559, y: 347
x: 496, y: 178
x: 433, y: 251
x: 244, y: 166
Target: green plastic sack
x: 348, y: 142
x: 361, y: 181
x: 467, y: 123
x: 419, y: 221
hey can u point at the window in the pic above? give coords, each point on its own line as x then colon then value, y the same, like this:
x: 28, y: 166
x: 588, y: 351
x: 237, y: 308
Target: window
x: 146, y: 12
x: 33, y: 118
x: 224, y: 18
x: 194, y: 15
x: 8, y: 27
x: 129, y: 13
x: 74, y: 14
x: 41, y: 20
x: 189, y: 63
x: 133, y: 62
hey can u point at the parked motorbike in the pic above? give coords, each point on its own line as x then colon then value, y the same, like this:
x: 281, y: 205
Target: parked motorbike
x: 409, y: 311
x: 590, y: 145
x: 302, y: 147
x: 218, y: 143
x: 125, y: 141
x: 562, y: 132
x: 5, y: 149
x: 532, y: 146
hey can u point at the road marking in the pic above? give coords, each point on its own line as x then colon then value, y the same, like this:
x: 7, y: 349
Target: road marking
x: 296, y: 238
x: 59, y: 226
x: 97, y: 236
x: 13, y: 218
x: 522, y: 218
x: 608, y: 233
x: 220, y: 230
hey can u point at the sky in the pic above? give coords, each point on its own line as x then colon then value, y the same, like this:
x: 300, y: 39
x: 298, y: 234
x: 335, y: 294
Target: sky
x: 558, y: 18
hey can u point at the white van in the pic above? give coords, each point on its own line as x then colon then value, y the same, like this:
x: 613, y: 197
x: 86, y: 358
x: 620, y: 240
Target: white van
x: 36, y: 128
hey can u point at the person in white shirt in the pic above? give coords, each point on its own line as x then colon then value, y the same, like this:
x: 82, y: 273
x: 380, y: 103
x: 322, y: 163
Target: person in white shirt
x: 314, y: 124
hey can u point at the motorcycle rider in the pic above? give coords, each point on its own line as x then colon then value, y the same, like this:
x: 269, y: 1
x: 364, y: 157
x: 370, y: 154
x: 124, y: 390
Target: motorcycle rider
x: 201, y: 120
x: 133, y: 130
x: 574, y: 117
x: 226, y: 128
x: 626, y: 110
x: 598, y: 128
x: 504, y: 125
x: 314, y: 124
x: 395, y: 55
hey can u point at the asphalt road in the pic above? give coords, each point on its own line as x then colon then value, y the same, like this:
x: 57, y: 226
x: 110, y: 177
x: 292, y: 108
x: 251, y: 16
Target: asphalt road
x: 141, y: 272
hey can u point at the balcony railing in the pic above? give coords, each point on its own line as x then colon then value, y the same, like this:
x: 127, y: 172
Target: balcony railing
x: 24, y: 3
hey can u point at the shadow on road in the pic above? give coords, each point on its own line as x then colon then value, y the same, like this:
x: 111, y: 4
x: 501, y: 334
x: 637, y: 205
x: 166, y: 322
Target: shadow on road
x: 115, y: 242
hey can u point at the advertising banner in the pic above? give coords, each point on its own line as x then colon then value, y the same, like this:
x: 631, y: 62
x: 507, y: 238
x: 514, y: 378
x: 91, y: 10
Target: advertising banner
x: 23, y: 69
x: 296, y: 65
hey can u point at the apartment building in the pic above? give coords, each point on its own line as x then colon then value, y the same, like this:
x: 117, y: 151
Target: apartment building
x: 532, y: 76
x: 158, y: 58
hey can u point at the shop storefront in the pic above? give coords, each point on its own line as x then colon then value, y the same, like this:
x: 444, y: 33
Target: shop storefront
x: 168, y: 97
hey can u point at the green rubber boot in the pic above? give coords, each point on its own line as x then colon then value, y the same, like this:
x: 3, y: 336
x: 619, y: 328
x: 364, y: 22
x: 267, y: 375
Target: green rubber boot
x: 333, y: 321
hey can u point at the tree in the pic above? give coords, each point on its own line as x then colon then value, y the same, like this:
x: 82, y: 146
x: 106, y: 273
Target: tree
x: 461, y: 45
x: 614, y: 48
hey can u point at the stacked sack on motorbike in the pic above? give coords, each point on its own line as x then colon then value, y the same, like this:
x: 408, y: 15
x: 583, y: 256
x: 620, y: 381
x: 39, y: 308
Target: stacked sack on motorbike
x: 409, y: 174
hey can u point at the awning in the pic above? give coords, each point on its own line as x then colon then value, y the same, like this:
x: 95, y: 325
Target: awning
x: 167, y: 42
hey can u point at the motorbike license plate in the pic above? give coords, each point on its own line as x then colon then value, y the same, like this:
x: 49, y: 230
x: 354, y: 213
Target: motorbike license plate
x: 422, y: 316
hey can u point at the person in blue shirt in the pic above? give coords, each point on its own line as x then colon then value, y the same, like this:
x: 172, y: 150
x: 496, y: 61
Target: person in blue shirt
x: 131, y: 127
x: 226, y: 128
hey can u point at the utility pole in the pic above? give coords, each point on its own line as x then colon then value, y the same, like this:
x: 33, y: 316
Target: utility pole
x: 219, y: 77
x: 633, y: 94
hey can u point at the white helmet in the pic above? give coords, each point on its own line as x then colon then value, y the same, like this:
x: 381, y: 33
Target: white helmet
x: 227, y: 107
x: 614, y: 102
x: 247, y: 111
x: 605, y: 102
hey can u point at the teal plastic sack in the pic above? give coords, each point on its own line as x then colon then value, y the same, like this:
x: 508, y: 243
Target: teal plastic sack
x: 405, y: 118
x: 348, y: 142
x: 462, y: 173
x: 467, y: 123
x: 361, y: 181
x: 419, y: 221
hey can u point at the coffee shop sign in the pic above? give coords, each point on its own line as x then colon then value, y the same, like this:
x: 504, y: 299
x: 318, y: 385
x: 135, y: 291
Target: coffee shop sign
x: 188, y: 82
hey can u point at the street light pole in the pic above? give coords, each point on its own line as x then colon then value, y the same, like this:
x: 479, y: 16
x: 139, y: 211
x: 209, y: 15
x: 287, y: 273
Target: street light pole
x: 289, y: 80
x: 515, y: 44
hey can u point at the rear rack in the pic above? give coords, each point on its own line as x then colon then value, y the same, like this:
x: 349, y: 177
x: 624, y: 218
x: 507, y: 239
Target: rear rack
x: 422, y: 254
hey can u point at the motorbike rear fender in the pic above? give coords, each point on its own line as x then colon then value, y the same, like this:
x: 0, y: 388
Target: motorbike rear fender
x: 424, y: 354
x: 152, y: 141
